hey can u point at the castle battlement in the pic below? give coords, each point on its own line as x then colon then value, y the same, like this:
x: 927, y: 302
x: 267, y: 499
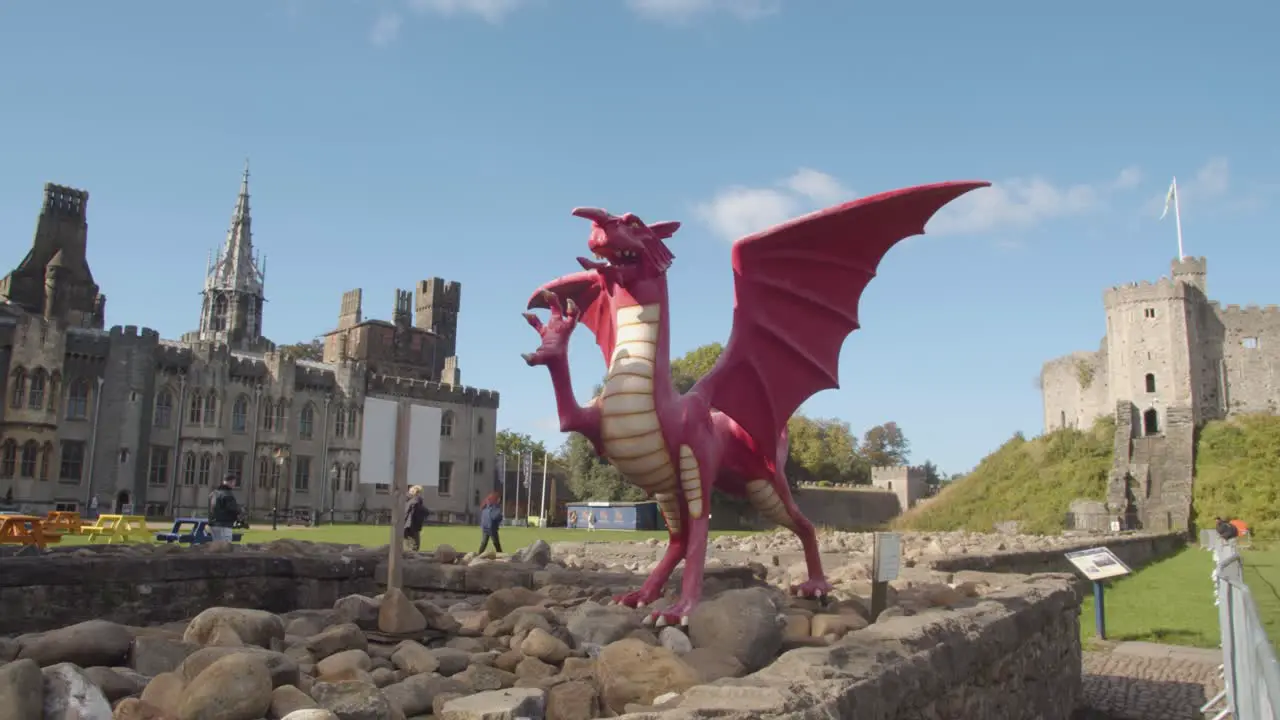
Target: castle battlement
x: 897, y: 469
x: 432, y: 391
x: 1250, y: 309
x: 131, y: 333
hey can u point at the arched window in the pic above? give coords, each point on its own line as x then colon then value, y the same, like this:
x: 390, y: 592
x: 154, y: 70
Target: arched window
x: 30, y: 452
x: 1151, y: 422
x: 55, y: 386
x: 8, y: 459
x: 164, y: 409
x: 281, y: 408
x: 446, y: 424
x: 196, y: 411
x: 206, y: 467
x: 336, y: 476
x: 306, y: 421
x: 339, y: 421
x: 78, y: 399
x: 264, y: 472
x: 349, y: 478
x: 353, y: 422
x: 211, y: 408
x: 46, y: 457
x: 35, y: 390
x: 240, y: 414
x: 188, y: 469
x: 219, y: 313
x: 480, y: 426
x: 17, y: 387
x: 1151, y: 382
x: 268, y: 415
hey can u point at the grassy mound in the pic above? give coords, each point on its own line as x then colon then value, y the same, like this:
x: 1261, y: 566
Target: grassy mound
x: 1031, y: 481
x: 1238, y: 473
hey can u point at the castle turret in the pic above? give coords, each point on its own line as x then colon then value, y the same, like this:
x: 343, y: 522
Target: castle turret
x: 233, y: 289
x: 62, y: 231
x: 1192, y: 271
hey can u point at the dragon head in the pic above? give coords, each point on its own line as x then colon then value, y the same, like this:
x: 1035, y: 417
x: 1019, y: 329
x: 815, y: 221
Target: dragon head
x: 629, y: 249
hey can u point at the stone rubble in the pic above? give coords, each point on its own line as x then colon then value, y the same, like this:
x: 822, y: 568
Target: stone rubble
x: 560, y: 653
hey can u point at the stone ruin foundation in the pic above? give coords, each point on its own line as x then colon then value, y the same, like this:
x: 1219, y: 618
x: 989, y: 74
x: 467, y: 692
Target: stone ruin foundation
x: 290, y: 630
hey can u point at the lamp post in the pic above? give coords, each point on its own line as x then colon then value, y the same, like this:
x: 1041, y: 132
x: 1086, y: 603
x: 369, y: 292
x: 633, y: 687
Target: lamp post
x: 334, y: 477
x: 281, y: 454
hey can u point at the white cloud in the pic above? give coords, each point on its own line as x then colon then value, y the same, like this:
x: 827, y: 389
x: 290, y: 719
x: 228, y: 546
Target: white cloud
x: 386, y: 28
x: 738, y: 210
x: 1128, y: 178
x: 492, y: 11
x: 679, y: 11
x: 1212, y: 181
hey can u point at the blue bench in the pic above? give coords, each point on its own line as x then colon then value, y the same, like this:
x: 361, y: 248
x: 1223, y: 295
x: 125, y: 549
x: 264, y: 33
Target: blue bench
x: 199, y: 532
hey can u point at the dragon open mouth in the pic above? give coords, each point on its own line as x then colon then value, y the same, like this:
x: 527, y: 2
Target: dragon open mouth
x: 612, y: 258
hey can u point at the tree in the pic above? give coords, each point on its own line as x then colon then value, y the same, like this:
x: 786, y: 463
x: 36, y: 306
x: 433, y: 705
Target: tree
x: 313, y: 350
x: 687, y: 370
x: 931, y: 474
x: 592, y: 478
x: 515, y: 444
x: 885, y: 445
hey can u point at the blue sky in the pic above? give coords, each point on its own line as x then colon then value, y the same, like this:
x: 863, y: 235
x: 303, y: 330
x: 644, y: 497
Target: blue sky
x: 392, y: 141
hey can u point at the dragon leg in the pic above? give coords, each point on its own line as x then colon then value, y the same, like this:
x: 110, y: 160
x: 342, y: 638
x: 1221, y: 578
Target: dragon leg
x: 772, y: 498
x: 652, y: 588
x: 694, y: 467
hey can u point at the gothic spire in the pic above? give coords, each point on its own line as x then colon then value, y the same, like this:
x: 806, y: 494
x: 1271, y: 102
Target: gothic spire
x: 233, y: 286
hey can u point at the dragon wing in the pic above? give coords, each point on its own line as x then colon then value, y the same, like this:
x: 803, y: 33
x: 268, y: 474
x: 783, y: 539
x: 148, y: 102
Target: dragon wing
x: 797, y: 288
x: 587, y: 290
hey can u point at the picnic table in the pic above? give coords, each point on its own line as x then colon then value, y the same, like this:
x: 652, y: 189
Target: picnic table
x: 68, y: 523
x: 125, y: 528
x: 26, y: 530
x: 199, y: 532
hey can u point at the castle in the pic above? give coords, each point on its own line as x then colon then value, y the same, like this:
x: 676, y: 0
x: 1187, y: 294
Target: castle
x: 1171, y: 360
x: 122, y: 419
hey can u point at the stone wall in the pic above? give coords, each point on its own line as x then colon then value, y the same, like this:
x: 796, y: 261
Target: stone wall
x: 830, y: 508
x: 1135, y: 550
x: 1014, y: 654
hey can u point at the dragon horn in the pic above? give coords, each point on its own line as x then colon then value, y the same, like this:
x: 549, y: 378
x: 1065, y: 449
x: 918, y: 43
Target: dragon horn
x: 595, y: 215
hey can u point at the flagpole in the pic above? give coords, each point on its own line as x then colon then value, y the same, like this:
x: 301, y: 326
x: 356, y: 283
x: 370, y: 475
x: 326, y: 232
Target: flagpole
x: 543, y: 511
x: 1177, y: 217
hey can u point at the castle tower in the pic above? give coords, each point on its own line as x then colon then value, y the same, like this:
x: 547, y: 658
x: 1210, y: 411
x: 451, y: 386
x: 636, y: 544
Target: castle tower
x: 233, y: 288
x: 436, y: 307
x: 61, y: 240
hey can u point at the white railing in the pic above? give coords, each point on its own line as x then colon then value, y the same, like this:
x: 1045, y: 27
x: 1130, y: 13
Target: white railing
x: 1251, y: 676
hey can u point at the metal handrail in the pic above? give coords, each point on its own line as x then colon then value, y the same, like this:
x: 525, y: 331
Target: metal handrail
x: 1251, y: 675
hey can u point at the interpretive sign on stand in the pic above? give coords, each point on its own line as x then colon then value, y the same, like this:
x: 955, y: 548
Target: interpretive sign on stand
x: 886, y: 561
x: 1098, y: 564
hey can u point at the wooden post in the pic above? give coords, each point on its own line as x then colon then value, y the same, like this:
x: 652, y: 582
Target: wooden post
x: 886, y: 550
x: 399, y: 492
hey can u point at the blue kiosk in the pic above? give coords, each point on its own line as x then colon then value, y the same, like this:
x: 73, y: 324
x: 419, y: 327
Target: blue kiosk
x: 614, y: 516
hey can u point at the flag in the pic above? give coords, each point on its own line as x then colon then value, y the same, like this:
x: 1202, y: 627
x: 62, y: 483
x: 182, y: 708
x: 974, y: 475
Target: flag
x: 1171, y: 199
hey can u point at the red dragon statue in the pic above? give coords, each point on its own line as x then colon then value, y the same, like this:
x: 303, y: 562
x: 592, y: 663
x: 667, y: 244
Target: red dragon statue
x: 797, y: 288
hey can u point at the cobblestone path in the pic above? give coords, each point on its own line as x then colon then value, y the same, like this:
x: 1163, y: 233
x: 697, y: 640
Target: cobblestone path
x: 1149, y: 686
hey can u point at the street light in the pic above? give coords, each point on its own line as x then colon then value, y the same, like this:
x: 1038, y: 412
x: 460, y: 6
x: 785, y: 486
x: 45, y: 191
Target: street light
x: 281, y: 454
x: 333, y: 490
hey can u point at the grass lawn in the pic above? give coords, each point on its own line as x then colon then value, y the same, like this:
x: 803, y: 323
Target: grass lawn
x: 1172, y: 601
x: 462, y: 537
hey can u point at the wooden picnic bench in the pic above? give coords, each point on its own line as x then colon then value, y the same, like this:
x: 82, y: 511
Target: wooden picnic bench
x: 125, y: 528
x: 26, y: 530
x: 67, y: 523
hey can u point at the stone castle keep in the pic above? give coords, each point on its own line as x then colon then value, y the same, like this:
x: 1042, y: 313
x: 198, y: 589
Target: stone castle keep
x: 92, y: 417
x: 1171, y: 360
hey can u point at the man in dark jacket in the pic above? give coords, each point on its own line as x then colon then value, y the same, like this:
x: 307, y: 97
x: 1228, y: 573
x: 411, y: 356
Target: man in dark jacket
x: 490, y: 521
x: 223, y: 509
x: 1226, y: 530
x: 415, y: 514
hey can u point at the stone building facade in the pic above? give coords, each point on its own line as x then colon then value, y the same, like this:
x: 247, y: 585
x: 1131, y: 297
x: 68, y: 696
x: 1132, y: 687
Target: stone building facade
x: 1170, y: 361
x: 101, y: 419
x: 909, y: 483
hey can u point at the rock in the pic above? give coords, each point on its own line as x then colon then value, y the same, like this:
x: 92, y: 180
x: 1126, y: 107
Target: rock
x: 599, y: 625
x: 539, y: 553
x: 287, y: 699
x: 96, y: 642
x: 251, y: 627
x: 713, y: 664
x: 573, y: 700
x: 398, y: 616
x: 629, y: 671
x: 284, y: 671
x: 675, y: 640
x: 234, y: 687
x: 352, y: 700
x: 414, y: 659
x: 344, y: 662
x: 747, y: 624
x: 415, y: 695
x: 437, y: 619
x: 154, y: 654
x: 135, y: 709
x: 21, y: 690
x: 311, y: 714
x: 164, y: 692
x: 358, y: 609
x: 344, y: 636
x: 482, y: 678
x: 69, y: 694
x: 500, y: 603
x: 116, y: 684
x: 452, y: 661
x: 531, y: 668
x: 8, y: 650
x: 445, y: 554
x: 838, y: 625
x: 472, y: 621
x: 545, y: 646
x: 497, y: 705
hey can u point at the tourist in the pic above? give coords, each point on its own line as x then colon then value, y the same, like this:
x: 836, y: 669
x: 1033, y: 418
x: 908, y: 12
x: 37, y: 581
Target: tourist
x: 1226, y: 530
x: 490, y: 521
x: 591, y: 521
x: 223, y: 509
x: 415, y: 514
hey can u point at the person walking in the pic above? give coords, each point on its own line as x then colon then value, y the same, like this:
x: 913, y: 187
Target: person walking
x: 415, y: 514
x: 591, y: 521
x: 223, y: 509
x: 490, y: 521
x: 1227, y: 531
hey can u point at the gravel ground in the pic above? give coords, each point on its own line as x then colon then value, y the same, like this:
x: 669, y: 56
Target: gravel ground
x: 1123, y: 686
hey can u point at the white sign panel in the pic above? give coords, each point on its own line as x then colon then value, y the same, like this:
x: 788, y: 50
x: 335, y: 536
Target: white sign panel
x: 888, y: 556
x: 378, y: 442
x: 1098, y: 563
x: 424, y: 445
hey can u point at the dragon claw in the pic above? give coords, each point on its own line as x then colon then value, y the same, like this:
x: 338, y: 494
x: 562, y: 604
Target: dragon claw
x: 636, y: 598
x: 817, y: 588
x: 528, y: 358
x: 675, y: 615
